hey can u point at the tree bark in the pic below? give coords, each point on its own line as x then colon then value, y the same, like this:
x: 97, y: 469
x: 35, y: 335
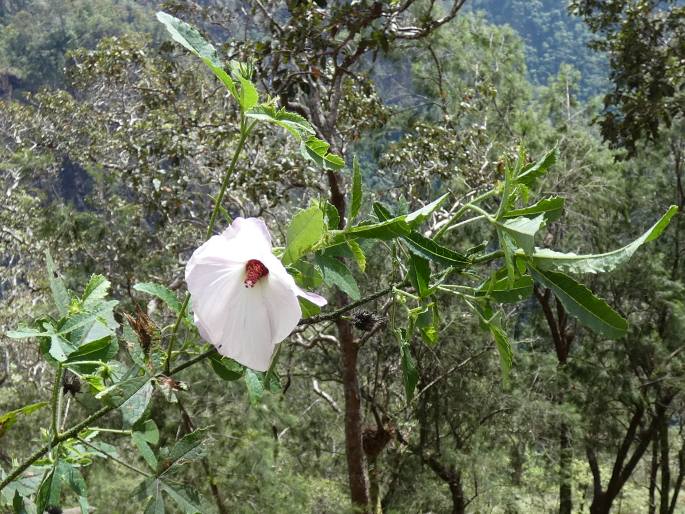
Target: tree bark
x: 354, y: 447
x: 653, y: 470
x: 665, y: 466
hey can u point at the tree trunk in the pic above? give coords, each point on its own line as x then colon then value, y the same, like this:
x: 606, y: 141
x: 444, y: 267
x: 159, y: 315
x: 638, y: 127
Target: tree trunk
x: 565, y: 472
x: 665, y: 466
x: 457, y: 492
x: 354, y: 447
x: 653, y: 470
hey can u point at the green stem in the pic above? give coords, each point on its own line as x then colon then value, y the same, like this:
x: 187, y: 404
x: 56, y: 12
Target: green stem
x: 56, y: 402
x: 115, y: 459
x: 111, y: 430
x: 457, y: 215
x: 244, y: 132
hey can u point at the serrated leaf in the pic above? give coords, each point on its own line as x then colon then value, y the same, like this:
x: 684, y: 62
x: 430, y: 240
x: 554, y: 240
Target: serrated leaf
x: 297, y: 125
x: 187, y: 498
x: 96, y: 290
x: 225, y: 368
x: 248, y: 94
x: 102, y: 350
x: 59, y: 292
x: 255, y: 388
x: 529, y: 174
x: 581, y: 303
x: 502, y: 290
x: 429, y: 249
x: 189, y: 37
x: 545, y: 259
x: 356, y: 201
x: 72, y: 476
x: 144, y: 449
x: 317, y: 150
x: 385, y: 230
x: 133, y: 408
x: 522, y: 231
x: 305, y: 230
x: 189, y: 448
x: 551, y: 208
x: 163, y: 293
x: 414, y: 219
x: 504, y: 349
x: 332, y: 216
x: 24, y: 333
x: 10, y: 418
x: 358, y: 253
x: 336, y: 273
x: 117, y: 394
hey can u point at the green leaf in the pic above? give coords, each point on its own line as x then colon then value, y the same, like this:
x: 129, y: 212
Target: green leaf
x: 337, y: 274
x: 501, y: 290
x: 410, y: 375
x: 427, y: 321
x: 493, y: 324
x: 414, y: 219
x: 255, y: 388
x: 49, y: 491
x: 119, y: 393
x: 419, y: 275
x: 356, y: 201
x: 189, y: 448
x: 429, y: 249
x: 295, y: 124
x: 385, y: 230
x: 24, y: 333
x: 148, y: 431
x: 163, y: 293
x: 545, y: 259
x: 358, y: 253
x: 581, y: 303
x: 551, y: 208
x: 95, y: 291
x: 522, y: 231
x: 102, y: 350
x: 191, y: 39
x: 248, y: 94
x: 18, y: 504
x: 75, y: 480
x: 134, y: 408
x: 144, y: 449
x: 308, y: 308
x: 332, y: 216
x: 317, y: 150
x: 187, y: 498
x: 305, y: 230
x: 225, y: 368
x: 10, y: 418
x: 59, y: 292
x: 529, y: 174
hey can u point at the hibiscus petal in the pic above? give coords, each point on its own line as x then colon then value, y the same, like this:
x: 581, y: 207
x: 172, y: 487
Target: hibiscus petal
x: 251, y: 232
x: 312, y: 297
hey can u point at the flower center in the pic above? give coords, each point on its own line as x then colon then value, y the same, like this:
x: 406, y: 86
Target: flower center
x: 254, y: 270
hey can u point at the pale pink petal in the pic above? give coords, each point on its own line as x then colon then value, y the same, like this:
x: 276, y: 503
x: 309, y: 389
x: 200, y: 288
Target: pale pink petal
x: 251, y: 232
x: 312, y: 297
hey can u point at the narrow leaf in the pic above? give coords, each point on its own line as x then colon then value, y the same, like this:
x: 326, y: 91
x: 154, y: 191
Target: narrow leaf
x: 356, y: 202
x: 419, y: 275
x: 551, y: 208
x: 580, y: 302
x: 546, y: 259
x: 529, y: 174
x: 59, y: 292
x: 163, y: 293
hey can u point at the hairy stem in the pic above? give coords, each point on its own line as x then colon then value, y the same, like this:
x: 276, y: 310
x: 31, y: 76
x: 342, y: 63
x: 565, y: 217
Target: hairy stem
x: 244, y: 132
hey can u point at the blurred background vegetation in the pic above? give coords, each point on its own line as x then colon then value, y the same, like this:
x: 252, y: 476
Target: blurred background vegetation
x: 112, y: 140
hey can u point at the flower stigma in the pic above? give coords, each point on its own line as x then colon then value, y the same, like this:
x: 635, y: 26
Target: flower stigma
x: 254, y: 270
